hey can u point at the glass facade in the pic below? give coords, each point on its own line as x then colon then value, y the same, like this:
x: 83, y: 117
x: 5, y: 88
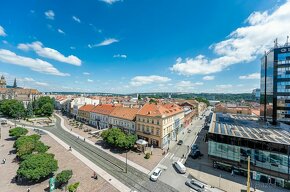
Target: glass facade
x: 264, y: 159
x: 275, y: 85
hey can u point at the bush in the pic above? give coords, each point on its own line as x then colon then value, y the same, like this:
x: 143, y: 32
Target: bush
x: 147, y: 155
x: 64, y: 176
x: 37, y: 166
x: 73, y: 187
x: 17, y: 132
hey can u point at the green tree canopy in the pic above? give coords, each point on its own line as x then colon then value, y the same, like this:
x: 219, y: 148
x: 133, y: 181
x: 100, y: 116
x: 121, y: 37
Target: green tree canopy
x: 37, y: 166
x: 27, y: 145
x: 43, y: 106
x: 12, y: 108
x: 118, y: 138
x: 64, y: 176
x: 201, y: 99
x: 17, y: 132
x: 73, y: 187
x: 29, y: 110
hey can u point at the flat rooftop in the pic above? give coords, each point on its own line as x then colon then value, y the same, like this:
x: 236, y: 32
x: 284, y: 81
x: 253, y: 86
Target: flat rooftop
x: 247, y: 126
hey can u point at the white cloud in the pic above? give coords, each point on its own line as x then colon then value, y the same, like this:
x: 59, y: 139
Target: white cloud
x: 60, y: 31
x: 38, y: 65
x: 72, y: 47
x: 208, y: 78
x: 86, y: 73
x: 244, y: 44
x: 5, y: 42
x: 41, y: 83
x: 49, y: 14
x: 250, y: 76
x: 104, y: 43
x: 120, y: 56
x: 76, y: 19
x: 2, y: 31
x: 50, y: 53
x: 225, y: 86
x: 110, y: 1
x: 27, y: 79
x: 188, y: 84
x: 90, y: 80
x: 144, y: 80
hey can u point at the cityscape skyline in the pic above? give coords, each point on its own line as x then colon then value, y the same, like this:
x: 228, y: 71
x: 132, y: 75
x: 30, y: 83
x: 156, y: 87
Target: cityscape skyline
x: 111, y: 51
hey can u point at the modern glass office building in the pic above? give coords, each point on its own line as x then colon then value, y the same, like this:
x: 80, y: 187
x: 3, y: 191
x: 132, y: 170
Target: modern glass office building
x: 275, y: 85
x: 232, y: 138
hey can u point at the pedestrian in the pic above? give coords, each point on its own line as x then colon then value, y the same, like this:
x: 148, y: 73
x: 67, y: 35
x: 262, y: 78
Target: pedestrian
x: 4, y: 161
x: 187, y: 147
x: 28, y: 190
x: 167, y: 149
x: 78, y: 137
x: 232, y: 173
x: 84, y: 139
x: 69, y: 148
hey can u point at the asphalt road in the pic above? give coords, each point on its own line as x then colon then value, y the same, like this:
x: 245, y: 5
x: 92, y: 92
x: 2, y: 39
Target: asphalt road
x: 134, y: 179
x: 171, y: 175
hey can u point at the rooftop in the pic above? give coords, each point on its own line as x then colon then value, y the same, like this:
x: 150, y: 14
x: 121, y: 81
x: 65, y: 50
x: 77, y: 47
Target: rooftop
x: 247, y: 126
x: 160, y: 110
x: 124, y: 113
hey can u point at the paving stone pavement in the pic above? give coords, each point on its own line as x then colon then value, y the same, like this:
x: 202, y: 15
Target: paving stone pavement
x: 66, y: 160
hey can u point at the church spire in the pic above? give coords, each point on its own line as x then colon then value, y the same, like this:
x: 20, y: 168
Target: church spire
x: 15, y: 83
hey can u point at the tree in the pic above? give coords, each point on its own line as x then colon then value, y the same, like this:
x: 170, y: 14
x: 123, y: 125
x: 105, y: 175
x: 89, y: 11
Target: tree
x: 29, y: 110
x: 139, y: 98
x: 17, y: 132
x: 118, y: 138
x: 73, y: 187
x: 12, y: 108
x: 27, y: 145
x: 201, y: 99
x: 43, y: 106
x: 64, y: 176
x: 37, y: 166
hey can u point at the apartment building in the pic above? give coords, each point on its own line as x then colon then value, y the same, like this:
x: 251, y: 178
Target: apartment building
x: 159, y: 123
x: 84, y: 113
x: 99, y: 115
x: 124, y: 118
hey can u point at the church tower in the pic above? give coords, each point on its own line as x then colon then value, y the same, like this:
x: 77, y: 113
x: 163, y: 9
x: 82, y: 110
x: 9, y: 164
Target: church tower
x: 15, y: 83
x: 2, y: 82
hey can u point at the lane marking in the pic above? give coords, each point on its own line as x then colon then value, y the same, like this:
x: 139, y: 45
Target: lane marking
x: 171, y: 156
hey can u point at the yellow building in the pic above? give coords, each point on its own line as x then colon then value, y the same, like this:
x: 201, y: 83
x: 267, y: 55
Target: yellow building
x: 159, y: 123
x: 84, y: 113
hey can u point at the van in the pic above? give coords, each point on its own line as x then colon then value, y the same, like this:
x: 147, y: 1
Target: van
x: 180, y: 167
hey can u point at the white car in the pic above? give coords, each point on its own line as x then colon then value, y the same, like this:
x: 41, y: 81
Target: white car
x: 156, y: 173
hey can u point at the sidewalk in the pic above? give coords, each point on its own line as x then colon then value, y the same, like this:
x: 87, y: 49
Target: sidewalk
x: 131, y: 163
x: 110, y: 179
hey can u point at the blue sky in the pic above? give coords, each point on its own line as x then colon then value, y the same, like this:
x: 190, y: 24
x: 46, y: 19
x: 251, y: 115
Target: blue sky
x: 139, y: 46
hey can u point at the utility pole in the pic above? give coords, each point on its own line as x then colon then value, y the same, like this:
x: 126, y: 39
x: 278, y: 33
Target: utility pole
x: 249, y: 176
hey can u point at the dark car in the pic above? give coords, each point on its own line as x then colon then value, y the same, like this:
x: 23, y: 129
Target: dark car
x: 194, y: 147
x: 195, y: 154
x: 180, y: 142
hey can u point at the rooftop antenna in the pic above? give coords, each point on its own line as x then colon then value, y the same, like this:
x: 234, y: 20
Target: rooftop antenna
x: 286, y: 44
x: 276, y: 43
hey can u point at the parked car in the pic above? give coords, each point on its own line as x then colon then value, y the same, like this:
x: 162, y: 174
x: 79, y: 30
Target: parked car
x: 196, y: 185
x: 180, y: 142
x: 195, y: 154
x: 194, y: 147
x: 180, y: 167
x: 156, y: 173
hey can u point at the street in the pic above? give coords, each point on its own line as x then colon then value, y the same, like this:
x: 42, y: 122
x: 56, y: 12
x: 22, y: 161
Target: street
x: 170, y: 174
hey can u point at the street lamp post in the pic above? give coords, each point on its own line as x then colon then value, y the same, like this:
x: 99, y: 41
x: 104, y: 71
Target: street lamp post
x: 126, y: 160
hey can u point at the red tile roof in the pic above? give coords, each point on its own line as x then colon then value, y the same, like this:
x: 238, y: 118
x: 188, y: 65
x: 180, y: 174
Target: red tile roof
x: 104, y: 109
x: 153, y: 110
x: 124, y: 113
x: 87, y: 108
